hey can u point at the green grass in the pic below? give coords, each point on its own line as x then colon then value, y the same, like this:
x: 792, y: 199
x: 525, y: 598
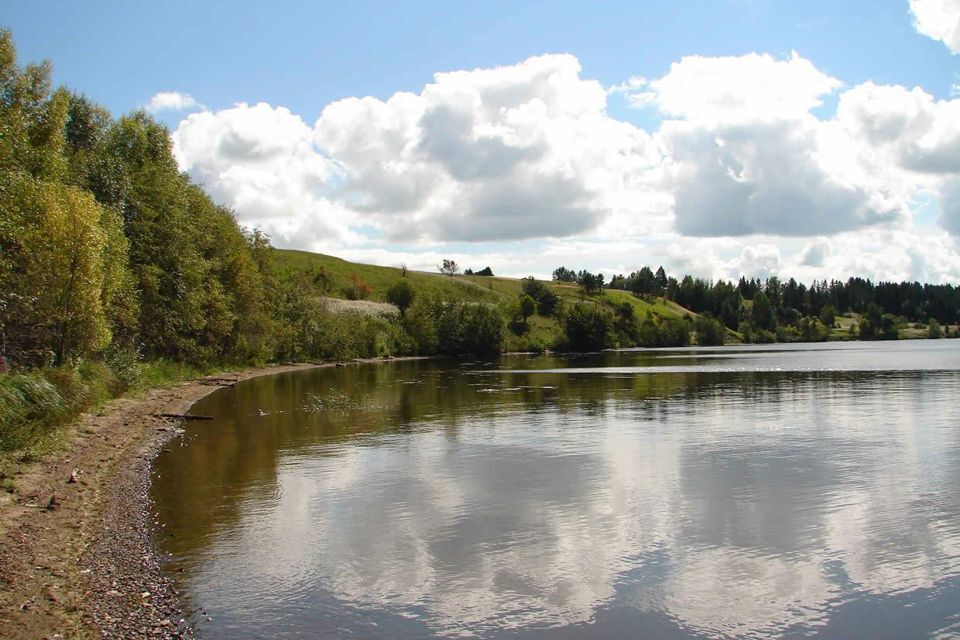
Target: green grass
x: 164, y: 373
x: 492, y: 289
x: 431, y: 285
x: 540, y: 333
x: 37, y: 406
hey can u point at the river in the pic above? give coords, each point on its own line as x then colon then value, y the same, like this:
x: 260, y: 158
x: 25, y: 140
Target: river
x: 756, y: 492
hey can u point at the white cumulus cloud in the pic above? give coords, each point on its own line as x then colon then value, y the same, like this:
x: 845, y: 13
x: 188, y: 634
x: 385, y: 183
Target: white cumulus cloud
x: 938, y: 19
x: 172, y: 101
x: 731, y: 89
x: 508, y: 153
x: 261, y: 161
x: 744, y: 174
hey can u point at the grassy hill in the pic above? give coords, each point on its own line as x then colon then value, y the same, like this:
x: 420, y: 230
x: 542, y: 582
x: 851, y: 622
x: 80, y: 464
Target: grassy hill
x: 339, y: 275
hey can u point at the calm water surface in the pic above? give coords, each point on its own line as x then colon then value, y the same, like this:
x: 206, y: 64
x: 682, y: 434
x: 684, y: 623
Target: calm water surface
x: 757, y: 492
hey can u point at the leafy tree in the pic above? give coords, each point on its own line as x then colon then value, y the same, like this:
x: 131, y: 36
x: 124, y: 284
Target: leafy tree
x: 449, y: 267
x: 710, y: 331
x: 59, y: 258
x: 401, y: 294
x: 762, y: 313
x: 528, y: 306
x: 828, y: 315
x: 587, y: 327
x: 590, y: 283
x: 813, y: 330
x: 934, y: 330
x: 562, y: 274
x: 547, y: 301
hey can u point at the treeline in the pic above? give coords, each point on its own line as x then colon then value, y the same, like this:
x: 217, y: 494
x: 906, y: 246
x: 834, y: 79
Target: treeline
x: 773, y: 310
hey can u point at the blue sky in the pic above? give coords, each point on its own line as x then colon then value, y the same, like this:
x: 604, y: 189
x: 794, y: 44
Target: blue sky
x: 298, y: 58
x: 304, y: 55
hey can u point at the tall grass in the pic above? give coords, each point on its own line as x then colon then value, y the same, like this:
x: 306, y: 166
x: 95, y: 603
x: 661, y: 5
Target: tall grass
x: 35, y: 404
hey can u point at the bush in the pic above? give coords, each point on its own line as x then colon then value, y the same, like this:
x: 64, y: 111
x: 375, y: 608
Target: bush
x: 710, y: 331
x: 587, y: 327
x: 813, y: 330
x: 934, y: 330
x: 401, y: 295
x: 358, y: 289
x: 467, y: 328
x: 547, y: 301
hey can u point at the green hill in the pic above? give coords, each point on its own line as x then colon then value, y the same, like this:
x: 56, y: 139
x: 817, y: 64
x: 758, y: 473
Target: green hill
x: 337, y: 278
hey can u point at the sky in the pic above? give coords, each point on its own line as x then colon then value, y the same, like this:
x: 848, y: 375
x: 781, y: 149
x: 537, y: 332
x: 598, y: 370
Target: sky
x: 717, y: 138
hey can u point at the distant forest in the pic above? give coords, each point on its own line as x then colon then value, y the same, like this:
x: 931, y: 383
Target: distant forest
x: 776, y: 310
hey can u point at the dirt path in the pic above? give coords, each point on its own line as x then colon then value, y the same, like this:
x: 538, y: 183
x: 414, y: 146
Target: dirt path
x: 76, y: 553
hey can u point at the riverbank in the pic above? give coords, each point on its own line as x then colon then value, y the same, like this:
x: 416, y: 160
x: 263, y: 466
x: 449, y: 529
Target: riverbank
x: 76, y: 551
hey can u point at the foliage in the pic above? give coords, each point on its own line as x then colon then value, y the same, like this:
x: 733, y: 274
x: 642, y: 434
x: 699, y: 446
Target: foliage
x: 587, y: 327
x: 813, y: 330
x: 449, y: 267
x: 710, y: 331
x: 528, y: 306
x: 357, y: 289
x: 401, y: 294
x: 562, y: 274
x: 590, y: 283
x: 486, y: 271
x: 465, y: 328
x: 547, y: 301
x: 762, y: 313
x: 828, y: 315
x: 934, y: 329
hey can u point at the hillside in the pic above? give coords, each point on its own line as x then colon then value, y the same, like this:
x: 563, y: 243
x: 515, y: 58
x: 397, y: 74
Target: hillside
x: 335, y: 278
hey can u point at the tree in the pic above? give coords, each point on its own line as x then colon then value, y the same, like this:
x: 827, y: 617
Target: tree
x: 660, y: 279
x: 762, y: 313
x: 813, y: 330
x: 934, y: 330
x: 528, y: 306
x: 644, y: 282
x: 59, y: 274
x: 547, y: 300
x: 590, y: 283
x: 562, y: 274
x: 587, y: 327
x: 449, y: 267
x: 871, y: 324
x: 828, y: 315
x: 401, y: 294
x: 710, y: 331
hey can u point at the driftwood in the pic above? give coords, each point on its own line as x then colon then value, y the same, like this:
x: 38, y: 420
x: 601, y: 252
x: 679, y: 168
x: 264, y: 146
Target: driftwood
x: 181, y: 416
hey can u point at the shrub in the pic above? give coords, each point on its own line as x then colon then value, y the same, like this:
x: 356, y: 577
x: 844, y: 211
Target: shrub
x: 710, y: 331
x: 358, y: 289
x: 587, y: 327
x: 401, y: 295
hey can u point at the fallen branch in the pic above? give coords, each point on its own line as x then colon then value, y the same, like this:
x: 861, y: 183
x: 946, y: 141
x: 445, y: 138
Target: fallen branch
x: 181, y: 416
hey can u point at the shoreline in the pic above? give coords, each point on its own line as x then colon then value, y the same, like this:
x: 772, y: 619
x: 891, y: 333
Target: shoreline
x: 77, y: 553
